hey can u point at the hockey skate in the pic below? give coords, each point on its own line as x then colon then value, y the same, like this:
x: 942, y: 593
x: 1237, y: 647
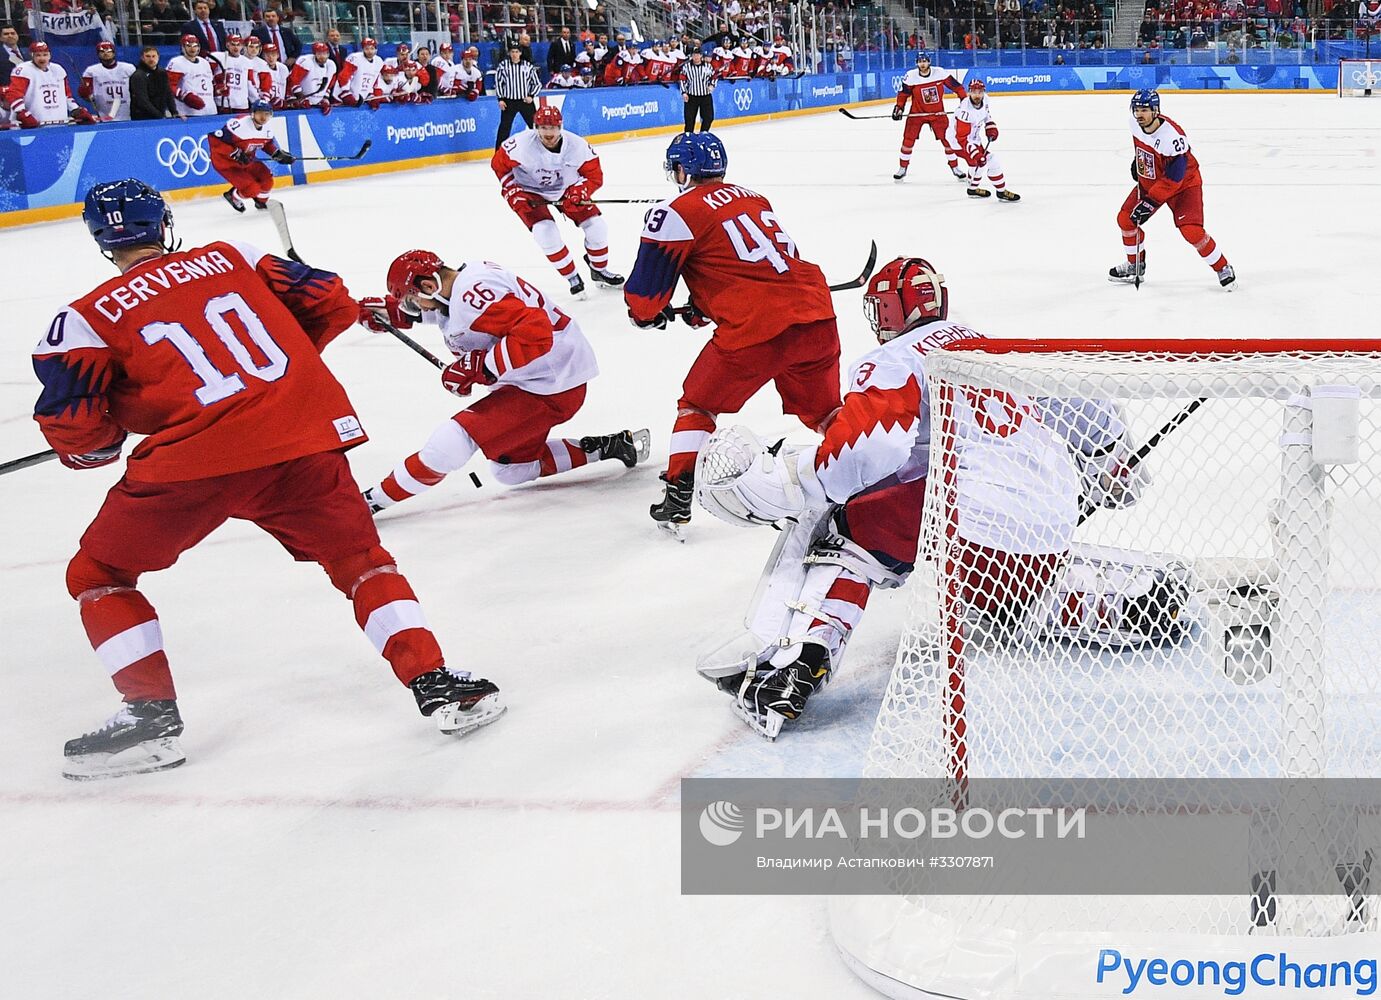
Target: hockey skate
x: 261, y: 204
x: 960, y: 174
x: 374, y: 498
x: 141, y: 737
x: 900, y: 174
x: 1008, y: 196
x: 1127, y: 271
x: 1227, y: 277
x: 977, y: 192
x: 458, y: 705
x: 674, y: 510
x: 629, y: 447
x: 577, y: 286
x: 233, y: 200
x: 603, y: 277
x: 774, y: 697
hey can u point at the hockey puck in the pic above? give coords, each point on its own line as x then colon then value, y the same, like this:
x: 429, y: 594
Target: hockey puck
x: 476, y: 480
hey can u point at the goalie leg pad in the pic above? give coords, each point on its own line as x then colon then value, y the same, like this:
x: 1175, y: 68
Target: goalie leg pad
x: 1118, y: 598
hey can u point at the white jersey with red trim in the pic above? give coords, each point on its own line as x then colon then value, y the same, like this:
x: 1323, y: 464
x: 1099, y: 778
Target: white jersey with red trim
x: 530, y: 343
x: 535, y: 168
x: 966, y: 127
x: 461, y: 79
x: 43, y: 93
x: 192, y: 77
x: 385, y: 87
x: 235, y: 79
x: 359, y: 75
x: 258, y: 70
x: 278, y: 83
x: 1369, y: 10
x: 312, y: 80
x: 108, y: 89
x: 1018, y: 486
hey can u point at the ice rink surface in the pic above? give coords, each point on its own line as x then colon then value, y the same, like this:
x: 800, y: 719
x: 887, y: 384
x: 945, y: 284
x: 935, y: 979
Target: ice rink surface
x: 323, y: 840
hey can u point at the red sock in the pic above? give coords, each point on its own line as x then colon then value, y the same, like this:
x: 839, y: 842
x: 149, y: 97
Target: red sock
x: 688, y: 435
x: 562, y: 455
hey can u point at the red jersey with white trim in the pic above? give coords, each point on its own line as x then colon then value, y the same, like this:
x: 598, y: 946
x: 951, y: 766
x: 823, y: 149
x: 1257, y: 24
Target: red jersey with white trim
x: 927, y: 92
x: 214, y: 353
x: 1018, y: 487
x: 359, y: 75
x: 43, y: 93
x: 193, y: 77
x: 740, y: 267
x: 966, y: 127
x: 1155, y: 152
x: 523, y: 160
x: 107, y: 88
x: 529, y: 342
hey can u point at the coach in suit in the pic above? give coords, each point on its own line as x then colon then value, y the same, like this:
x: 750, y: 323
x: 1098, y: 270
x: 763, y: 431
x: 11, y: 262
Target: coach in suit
x: 335, y: 51
x: 561, y: 52
x: 211, y: 34
x: 10, y: 54
x: 273, y: 33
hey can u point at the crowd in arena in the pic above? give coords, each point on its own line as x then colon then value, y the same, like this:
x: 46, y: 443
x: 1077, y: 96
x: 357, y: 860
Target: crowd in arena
x: 1008, y: 24
x: 1252, y: 24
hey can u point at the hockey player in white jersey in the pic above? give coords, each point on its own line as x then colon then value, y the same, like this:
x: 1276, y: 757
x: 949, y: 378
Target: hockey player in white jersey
x: 465, y: 80
x: 357, y: 78
x: 309, y: 82
x: 105, y: 83
x: 505, y: 335
x: 192, y: 78
x: 851, y: 509
x: 972, y: 132
x: 39, y: 94
x: 260, y: 80
x: 545, y: 167
x: 235, y: 87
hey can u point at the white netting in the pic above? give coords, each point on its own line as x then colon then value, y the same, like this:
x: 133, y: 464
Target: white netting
x: 1221, y: 618
x: 1359, y: 77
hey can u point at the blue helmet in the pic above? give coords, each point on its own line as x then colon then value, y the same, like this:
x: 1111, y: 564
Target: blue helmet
x: 260, y: 104
x: 699, y: 154
x: 126, y: 213
x: 1146, y: 99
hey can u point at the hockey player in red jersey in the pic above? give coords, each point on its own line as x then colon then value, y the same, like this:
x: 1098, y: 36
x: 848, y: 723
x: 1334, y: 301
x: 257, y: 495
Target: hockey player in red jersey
x: 214, y: 354
x: 851, y: 509
x: 774, y: 321
x: 505, y: 334
x: 924, y: 87
x: 548, y: 166
x: 234, y: 154
x: 1166, y: 173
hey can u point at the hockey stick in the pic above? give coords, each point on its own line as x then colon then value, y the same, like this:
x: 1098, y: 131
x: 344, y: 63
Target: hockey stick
x: 886, y: 114
x: 1088, y: 509
x: 280, y: 222
x: 1137, y: 268
x: 331, y: 159
x: 37, y: 458
x: 687, y: 311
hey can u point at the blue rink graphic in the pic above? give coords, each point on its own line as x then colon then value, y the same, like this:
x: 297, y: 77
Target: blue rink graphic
x: 53, y: 166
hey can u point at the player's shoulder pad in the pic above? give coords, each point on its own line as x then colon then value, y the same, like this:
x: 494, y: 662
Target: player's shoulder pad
x: 68, y: 331
x: 251, y: 254
x: 665, y: 224
x: 1173, y: 126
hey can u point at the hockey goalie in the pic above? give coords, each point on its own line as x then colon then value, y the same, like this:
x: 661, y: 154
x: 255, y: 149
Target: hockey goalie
x: 850, y: 512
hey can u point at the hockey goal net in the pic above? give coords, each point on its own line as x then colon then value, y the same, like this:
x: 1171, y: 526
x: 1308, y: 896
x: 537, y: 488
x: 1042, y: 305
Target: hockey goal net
x: 1359, y: 77
x: 1236, y: 634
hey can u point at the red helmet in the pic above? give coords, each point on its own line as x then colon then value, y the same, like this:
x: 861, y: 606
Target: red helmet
x: 235, y: 37
x: 978, y: 85
x: 37, y: 47
x: 906, y: 291
x: 409, y: 268
x: 444, y: 46
x: 547, y: 114
x: 470, y: 53
x: 369, y: 43
x: 388, y: 69
x: 320, y: 48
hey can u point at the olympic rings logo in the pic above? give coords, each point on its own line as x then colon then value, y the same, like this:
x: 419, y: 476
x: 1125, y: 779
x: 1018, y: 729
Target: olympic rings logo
x: 743, y: 99
x: 1366, y: 77
x: 183, y: 156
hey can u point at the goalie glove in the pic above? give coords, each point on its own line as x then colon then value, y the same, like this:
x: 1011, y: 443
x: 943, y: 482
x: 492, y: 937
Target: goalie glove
x: 1109, y: 480
x: 377, y: 308
x: 743, y: 482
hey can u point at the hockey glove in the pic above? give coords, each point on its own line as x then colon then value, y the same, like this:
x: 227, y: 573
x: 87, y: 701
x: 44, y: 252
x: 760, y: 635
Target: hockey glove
x: 83, y: 117
x: 470, y: 95
x: 518, y: 199
x: 658, y: 322
x: 1136, y: 174
x: 325, y: 107
x: 95, y: 459
x: 377, y: 308
x: 990, y: 130
x: 577, y: 195
x: 1109, y: 480
x: 898, y: 114
x: 349, y: 100
x: 26, y: 120
x: 977, y: 156
x: 1142, y: 211
x: 460, y: 376
x: 693, y: 317
x: 193, y: 101
x: 242, y: 156
x: 283, y: 156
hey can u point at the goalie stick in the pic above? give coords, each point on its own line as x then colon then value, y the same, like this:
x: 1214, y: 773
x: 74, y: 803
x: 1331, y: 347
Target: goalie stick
x: 1088, y: 509
x: 37, y: 458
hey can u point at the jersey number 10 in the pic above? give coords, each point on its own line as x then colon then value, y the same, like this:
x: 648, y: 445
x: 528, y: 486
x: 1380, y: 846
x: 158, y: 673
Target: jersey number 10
x: 216, y: 384
x: 752, y: 244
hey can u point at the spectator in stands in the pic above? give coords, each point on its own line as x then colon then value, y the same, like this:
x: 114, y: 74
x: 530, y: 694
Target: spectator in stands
x: 150, y: 95
x: 230, y: 10
x: 160, y: 21
x: 336, y: 51
x: 210, y: 34
x: 273, y: 32
x: 10, y: 55
x: 561, y: 52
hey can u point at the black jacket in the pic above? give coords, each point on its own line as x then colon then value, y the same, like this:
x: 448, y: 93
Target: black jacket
x: 150, y: 96
x: 560, y: 54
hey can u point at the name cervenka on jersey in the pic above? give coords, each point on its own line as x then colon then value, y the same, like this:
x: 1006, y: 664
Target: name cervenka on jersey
x: 180, y: 272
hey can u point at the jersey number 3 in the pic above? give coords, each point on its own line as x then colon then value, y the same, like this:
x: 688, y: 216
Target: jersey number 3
x: 216, y: 384
x: 752, y: 244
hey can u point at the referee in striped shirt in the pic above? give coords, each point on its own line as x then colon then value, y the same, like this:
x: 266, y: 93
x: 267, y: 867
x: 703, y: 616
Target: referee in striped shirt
x: 697, y: 91
x: 516, y: 85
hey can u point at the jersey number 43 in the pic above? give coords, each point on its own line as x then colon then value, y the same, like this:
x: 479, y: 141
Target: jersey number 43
x: 760, y: 240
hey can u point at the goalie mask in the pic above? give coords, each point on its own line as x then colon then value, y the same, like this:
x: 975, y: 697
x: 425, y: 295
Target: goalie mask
x: 906, y: 292
x: 407, y: 270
